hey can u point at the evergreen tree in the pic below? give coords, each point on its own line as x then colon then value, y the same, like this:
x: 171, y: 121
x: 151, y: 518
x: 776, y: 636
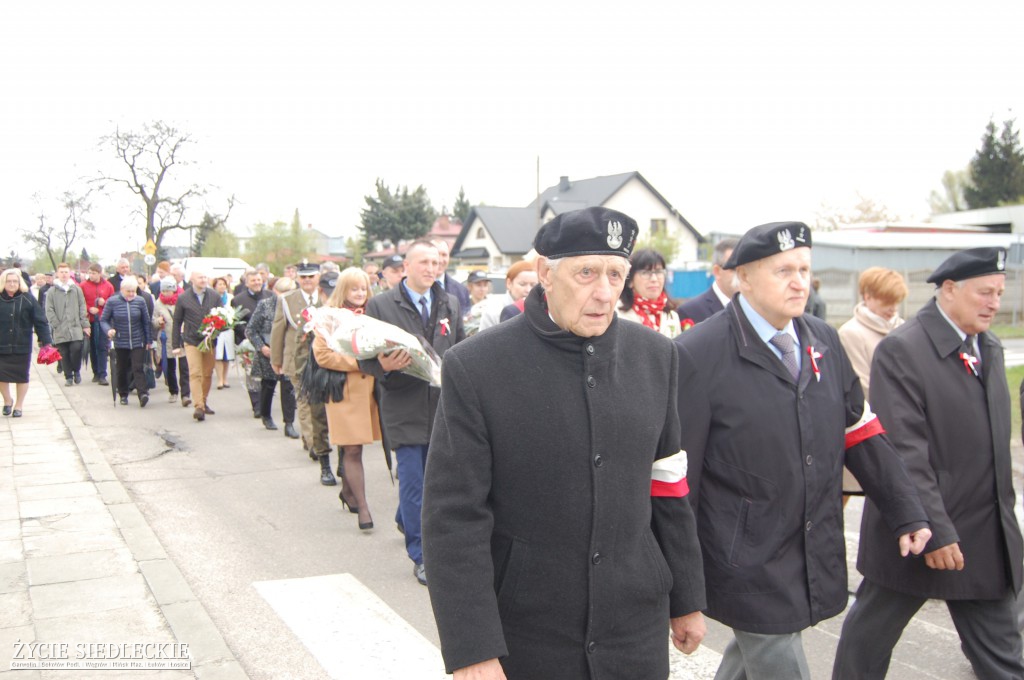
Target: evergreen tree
x: 460, y: 210
x: 401, y: 216
x: 997, y: 169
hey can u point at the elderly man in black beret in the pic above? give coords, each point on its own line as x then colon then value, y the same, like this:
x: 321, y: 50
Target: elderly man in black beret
x: 557, y: 531
x: 770, y: 409
x: 939, y: 387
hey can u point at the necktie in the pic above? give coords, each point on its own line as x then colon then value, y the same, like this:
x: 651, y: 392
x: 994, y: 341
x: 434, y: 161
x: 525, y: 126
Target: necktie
x: 784, y: 343
x: 425, y: 314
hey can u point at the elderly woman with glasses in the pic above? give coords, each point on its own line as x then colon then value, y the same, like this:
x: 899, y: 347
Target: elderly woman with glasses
x: 644, y: 299
x: 20, y: 314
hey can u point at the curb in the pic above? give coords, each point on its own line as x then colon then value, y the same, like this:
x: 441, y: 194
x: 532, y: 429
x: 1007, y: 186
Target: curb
x: 188, y: 619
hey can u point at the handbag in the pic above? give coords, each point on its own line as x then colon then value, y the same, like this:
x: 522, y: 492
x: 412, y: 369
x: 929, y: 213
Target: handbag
x: 319, y: 385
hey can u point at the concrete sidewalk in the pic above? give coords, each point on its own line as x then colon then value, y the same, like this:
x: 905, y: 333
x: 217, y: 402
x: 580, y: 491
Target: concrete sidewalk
x: 81, y: 572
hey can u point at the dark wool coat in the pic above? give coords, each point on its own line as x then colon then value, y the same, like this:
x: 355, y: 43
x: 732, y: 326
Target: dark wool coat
x: 409, y: 403
x: 541, y: 539
x: 766, y: 471
x: 131, y: 320
x: 247, y: 301
x: 19, y: 315
x: 953, y: 431
x: 701, y: 307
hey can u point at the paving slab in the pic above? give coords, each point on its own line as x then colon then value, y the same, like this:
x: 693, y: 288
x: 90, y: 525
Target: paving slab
x: 80, y: 566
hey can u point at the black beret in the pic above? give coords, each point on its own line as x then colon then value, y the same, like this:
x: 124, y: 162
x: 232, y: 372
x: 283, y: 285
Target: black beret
x: 394, y: 261
x: 970, y: 263
x: 591, y: 231
x: 477, y: 275
x: 306, y: 269
x: 769, y: 239
x: 328, y: 280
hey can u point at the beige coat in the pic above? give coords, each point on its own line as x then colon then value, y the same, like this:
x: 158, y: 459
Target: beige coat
x: 860, y: 336
x: 353, y: 420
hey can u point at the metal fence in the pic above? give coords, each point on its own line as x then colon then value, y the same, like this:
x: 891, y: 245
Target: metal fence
x: 841, y: 294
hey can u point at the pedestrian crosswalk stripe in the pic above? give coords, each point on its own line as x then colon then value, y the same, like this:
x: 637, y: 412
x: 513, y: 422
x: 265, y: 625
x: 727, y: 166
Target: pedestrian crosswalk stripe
x: 320, y: 611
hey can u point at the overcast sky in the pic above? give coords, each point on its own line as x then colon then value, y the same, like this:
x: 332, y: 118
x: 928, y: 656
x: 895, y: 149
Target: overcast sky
x: 738, y: 113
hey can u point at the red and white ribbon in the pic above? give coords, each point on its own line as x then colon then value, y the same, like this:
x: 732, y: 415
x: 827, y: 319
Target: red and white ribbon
x: 970, y: 362
x: 814, y: 362
x: 446, y: 327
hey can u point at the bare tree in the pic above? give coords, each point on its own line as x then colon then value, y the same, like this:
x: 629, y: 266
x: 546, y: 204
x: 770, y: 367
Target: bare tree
x: 151, y: 159
x: 55, y: 241
x: 828, y: 217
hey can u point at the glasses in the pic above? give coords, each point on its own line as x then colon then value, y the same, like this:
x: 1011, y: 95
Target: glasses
x: 651, y: 273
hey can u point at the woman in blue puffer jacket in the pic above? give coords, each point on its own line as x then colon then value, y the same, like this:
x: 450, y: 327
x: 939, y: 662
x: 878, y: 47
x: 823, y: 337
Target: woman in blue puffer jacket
x: 126, y: 321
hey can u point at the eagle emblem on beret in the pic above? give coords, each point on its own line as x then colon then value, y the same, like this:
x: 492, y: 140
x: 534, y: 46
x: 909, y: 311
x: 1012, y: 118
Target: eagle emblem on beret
x: 785, y: 240
x: 614, y: 235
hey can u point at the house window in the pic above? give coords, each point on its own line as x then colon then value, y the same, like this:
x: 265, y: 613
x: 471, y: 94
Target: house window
x: 480, y: 233
x: 659, y: 227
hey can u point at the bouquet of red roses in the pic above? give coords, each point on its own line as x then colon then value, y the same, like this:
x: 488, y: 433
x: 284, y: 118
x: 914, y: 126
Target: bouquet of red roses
x: 48, y: 354
x: 218, y: 320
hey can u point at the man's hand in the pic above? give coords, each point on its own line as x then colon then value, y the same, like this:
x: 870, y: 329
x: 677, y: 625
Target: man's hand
x: 100, y: 302
x: 88, y: 332
x: 277, y: 368
x: 111, y: 333
x: 946, y: 557
x: 688, y: 631
x: 94, y: 310
x: 265, y: 351
x: 395, y: 361
x: 485, y: 670
x: 914, y: 542
x: 160, y: 321
x: 177, y: 352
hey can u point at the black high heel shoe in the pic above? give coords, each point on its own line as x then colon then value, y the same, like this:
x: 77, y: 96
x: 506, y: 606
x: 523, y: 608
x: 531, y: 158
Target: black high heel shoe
x: 344, y: 503
x: 366, y: 526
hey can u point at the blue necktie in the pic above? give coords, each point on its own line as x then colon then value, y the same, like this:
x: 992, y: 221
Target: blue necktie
x: 425, y: 314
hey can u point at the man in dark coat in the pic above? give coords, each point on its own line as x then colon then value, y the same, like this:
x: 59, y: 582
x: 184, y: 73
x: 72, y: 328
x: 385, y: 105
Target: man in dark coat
x: 420, y: 306
x: 770, y: 406
x: 556, y: 527
x: 194, y: 304
x: 245, y: 301
x: 715, y: 298
x: 939, y: 386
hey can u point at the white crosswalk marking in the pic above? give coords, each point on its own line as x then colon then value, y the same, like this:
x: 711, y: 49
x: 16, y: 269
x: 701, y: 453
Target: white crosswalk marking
x: 382, y: 645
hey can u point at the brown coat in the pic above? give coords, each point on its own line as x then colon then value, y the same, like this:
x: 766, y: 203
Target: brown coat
x: 354, y: 419
x: 860, y: 336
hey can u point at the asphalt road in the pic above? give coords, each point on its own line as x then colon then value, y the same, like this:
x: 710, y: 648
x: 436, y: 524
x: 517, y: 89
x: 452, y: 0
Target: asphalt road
x: 238, y: 507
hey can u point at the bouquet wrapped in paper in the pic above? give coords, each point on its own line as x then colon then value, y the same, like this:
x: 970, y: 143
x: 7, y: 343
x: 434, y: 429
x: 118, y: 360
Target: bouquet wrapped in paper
x: 219, y: 319
x: 363, y: 337
x: 246, y: 355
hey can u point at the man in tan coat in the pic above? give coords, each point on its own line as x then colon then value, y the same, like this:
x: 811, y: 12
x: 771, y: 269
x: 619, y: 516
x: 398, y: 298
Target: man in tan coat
x: 289, y: 350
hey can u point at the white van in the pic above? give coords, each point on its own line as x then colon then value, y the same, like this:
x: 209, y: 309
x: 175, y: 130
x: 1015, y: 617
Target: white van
x: 216, y: 266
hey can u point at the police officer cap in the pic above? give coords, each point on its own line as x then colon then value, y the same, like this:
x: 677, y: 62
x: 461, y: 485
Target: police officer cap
x: 477, y: 275
x: 591, y: 231
x: 769, y: 239
x: 970, y: 263
x: 328, y: 281
x: 393, y: 261
x: 305, y: 268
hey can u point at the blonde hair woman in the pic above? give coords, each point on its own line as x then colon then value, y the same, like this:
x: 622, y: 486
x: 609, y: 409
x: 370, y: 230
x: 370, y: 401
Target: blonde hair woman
x: 353, y: 421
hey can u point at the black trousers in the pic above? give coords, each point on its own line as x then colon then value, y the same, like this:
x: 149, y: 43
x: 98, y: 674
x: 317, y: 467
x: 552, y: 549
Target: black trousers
x: 987, y: 629
x: 267, y: 388
x: 130, y: 365
x: 70, y: 357
x: 176, y: 376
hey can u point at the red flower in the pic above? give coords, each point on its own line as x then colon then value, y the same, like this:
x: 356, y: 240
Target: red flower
x: 687, y: 324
